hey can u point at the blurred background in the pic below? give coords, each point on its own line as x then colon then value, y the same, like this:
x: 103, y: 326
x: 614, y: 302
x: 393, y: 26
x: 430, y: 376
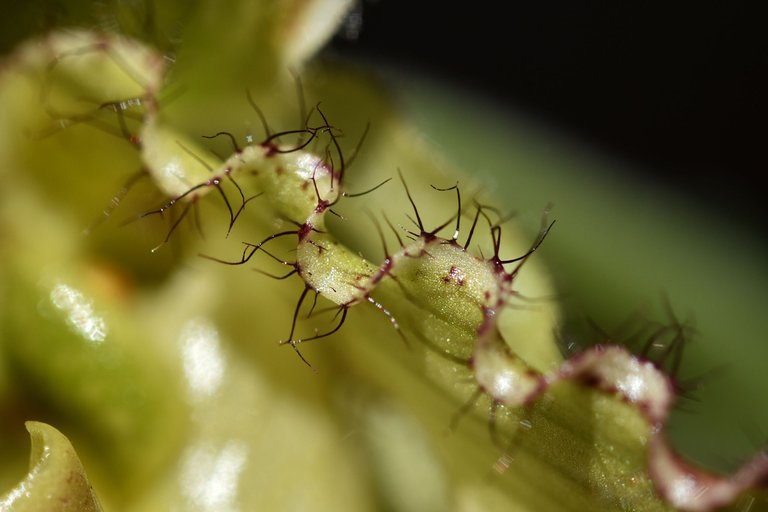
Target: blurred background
x: 640, y: 122
x: 671, y: 88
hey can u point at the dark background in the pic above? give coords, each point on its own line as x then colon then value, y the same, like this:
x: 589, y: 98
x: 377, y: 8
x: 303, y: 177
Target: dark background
x: 675, y: 88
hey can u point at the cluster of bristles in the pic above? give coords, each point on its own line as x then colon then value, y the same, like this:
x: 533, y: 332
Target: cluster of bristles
x: 307, y: 230
x: 602, y: 367
x: 329, y: 269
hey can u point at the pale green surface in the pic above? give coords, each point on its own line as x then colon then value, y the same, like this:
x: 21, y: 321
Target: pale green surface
x: 56, y: 479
